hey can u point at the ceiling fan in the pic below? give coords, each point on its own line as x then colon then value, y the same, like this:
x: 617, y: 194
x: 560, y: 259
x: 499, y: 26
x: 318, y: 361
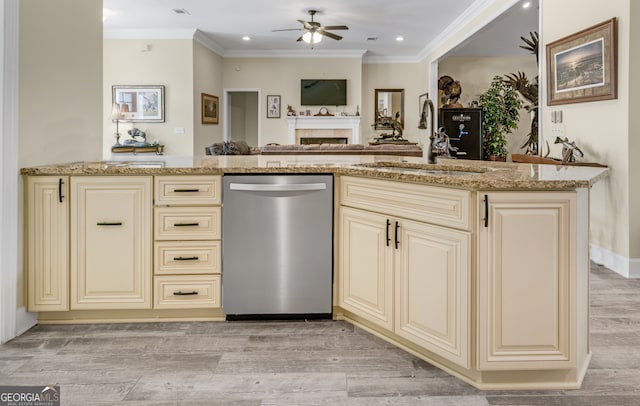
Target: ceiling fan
x: 315, y: 31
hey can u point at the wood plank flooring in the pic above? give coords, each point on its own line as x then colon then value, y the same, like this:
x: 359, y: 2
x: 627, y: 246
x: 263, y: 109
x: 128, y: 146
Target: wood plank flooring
x: 300, y: 363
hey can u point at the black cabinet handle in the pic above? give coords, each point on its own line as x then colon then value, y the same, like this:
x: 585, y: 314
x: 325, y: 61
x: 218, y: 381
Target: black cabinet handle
x: 397, y: 241
x: 186, y: 190
x: 118, y: 223
x: 186, y: 224
x: 60, y: 183
x: 388, y: 239
x: 181, y: 293
x: 185, y: 258
x: 486, y: 211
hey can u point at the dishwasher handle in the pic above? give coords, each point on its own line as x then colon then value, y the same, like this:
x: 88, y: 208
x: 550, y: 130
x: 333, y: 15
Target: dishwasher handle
x: 277, y: 187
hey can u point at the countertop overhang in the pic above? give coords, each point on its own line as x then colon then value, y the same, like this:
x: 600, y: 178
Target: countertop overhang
x: 467, y: 174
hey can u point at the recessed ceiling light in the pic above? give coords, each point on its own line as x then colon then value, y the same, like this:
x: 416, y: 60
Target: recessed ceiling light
x: 246, y: 38
x: 399, y: 39
x: 526, y: 4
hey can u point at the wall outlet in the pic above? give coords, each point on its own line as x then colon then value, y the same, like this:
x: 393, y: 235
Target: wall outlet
x: 557, y: 130
x: 178, y: 130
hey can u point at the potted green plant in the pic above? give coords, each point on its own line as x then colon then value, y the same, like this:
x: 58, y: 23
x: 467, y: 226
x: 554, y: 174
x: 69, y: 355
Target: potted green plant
x: 500, y: 113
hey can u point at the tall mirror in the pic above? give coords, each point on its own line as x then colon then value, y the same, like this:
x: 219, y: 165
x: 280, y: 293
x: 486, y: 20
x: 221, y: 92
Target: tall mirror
x: 388, y: 103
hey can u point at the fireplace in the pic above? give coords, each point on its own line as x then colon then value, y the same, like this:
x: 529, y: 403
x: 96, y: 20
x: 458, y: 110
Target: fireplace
x: 323, y: 140
x: 324, y: 130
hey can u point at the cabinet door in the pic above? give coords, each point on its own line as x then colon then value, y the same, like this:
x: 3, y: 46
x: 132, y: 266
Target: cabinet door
x: 366, y: 262
x: 527, y: 309
x: 111, y: 247
x: 433, y: 289
x: 47, y: 243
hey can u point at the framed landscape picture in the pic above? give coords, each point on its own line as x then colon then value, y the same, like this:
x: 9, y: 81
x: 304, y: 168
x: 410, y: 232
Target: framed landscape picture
x: 583, y: 67
x: 140, y: 103
x: 210, y: 109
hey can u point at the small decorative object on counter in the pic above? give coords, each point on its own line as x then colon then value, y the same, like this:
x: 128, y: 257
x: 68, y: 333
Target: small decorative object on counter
x: 569, y: 149
x: 441, y: 145
x: 396, y: 131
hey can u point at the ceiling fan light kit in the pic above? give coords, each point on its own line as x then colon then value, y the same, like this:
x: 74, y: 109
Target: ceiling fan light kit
x: 311, y: 38
x: 314, y: 31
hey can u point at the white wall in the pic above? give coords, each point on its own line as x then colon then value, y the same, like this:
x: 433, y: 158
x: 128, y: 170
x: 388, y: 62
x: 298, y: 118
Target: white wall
x: 168, y: 62
x: 207, y: 78
x: 602, y: 128
x: 281, y: 76
x: 60, y: 81
x: 475, y: 75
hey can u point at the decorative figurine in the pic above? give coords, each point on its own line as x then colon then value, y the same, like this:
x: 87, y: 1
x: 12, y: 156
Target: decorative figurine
x: 569, y: 149
x: 290, y: 111
x: 451, y: 90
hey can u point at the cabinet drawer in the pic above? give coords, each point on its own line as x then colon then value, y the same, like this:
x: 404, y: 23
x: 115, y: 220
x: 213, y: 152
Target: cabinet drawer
x: 431, y: 204
x: 187, y: 223
x: 182, y: 292
x: 188, y: 257
x: 187, y: 190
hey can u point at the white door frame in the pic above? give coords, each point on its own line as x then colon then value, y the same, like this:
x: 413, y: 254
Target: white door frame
x: 226, y: 128
x: 13, y: 320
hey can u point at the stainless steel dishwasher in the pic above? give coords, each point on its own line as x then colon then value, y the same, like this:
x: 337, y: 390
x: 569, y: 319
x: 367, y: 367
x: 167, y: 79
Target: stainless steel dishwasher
x: 277, y: 246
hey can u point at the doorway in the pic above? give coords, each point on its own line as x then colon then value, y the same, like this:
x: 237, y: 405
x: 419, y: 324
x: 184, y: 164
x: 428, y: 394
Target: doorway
x: 242, y: 116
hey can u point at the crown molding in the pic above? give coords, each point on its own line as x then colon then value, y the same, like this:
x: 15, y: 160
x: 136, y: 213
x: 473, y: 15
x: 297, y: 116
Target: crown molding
x: 295, y: 53
x: 149, y: 34
x: 389, y: 59
x: 207, y: 42
x: 464, y: 21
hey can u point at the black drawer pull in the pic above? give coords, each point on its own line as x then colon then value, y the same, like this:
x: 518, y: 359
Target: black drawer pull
x: 60, y: 183
x: 118, y: 223
x: 186, y: 224
x: 186, y: 190
x: 396, y: 237
x: 388, y: 238
x: 486, y: 211
x: 181, y: 293
x: 185, y: 258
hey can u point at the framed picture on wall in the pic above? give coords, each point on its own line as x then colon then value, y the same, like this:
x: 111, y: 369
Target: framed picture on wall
x: 210, y: 109
x: 140, y: 103
x: 273, y: 106
x: 583, y: 66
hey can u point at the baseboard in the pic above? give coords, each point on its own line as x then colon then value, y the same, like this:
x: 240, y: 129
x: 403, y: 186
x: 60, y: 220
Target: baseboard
x: 627, y: 267
x: 24, y: 320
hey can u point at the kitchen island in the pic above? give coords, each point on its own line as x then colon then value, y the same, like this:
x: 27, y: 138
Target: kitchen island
x: 479, y: 268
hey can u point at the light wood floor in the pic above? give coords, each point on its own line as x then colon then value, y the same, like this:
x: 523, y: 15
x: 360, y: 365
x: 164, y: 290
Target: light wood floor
x: 299, y: 363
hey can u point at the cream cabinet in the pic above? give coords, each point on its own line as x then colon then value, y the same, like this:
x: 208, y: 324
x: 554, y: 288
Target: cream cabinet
x: 409, y: 277
x: 111, y: 242
x: 366, y: 266
x: 527, y: 281
x: 187, y: 245
x: 47, y: 260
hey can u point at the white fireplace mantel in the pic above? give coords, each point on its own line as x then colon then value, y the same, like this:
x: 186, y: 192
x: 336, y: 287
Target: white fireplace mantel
x: 323, y: 123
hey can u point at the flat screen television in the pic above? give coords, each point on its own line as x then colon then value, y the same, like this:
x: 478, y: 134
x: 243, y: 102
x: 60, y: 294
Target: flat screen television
x: 323, y: 92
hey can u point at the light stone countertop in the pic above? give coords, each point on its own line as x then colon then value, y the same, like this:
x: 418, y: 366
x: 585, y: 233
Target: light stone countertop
x: 467, y: 174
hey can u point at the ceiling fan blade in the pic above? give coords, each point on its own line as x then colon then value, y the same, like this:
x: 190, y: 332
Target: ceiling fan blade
x: 330, y: 35
x: 336, y: 27
x: 288, y: 29
x: 299, y: 39
x: 307, y: 24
